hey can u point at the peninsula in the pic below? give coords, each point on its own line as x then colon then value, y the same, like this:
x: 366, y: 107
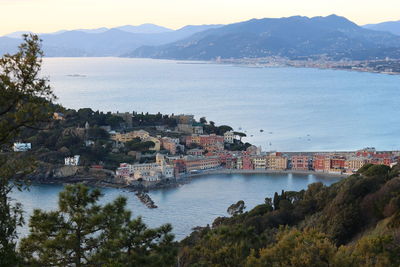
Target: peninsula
x: 141, y: 151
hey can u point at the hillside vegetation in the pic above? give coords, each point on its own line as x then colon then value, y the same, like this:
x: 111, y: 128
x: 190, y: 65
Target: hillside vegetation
x: 354, y: 222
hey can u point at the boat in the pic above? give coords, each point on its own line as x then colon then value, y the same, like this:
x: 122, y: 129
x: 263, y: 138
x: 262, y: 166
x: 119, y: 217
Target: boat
x: 76, y: 75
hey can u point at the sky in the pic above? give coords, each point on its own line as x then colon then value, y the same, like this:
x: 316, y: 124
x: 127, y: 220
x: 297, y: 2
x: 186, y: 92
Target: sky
x: 42, y: 16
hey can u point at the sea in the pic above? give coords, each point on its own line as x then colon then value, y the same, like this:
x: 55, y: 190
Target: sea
x: 196, y: 203
x: 281, y: 109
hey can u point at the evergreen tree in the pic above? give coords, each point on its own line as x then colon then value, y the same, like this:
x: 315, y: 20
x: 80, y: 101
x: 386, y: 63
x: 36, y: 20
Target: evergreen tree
x: 83, y: 233
x: 25, y: 102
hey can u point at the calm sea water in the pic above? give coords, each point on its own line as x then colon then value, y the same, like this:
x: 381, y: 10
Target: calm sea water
x: 298, y: 109
x: 197, y: 203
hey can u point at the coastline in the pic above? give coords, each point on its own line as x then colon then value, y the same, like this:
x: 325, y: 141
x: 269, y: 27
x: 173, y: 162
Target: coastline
x: 151, y: 186
x: 262, y: 171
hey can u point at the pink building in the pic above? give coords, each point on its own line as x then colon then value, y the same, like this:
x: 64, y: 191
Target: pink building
x: 300, y: 162
x: 247, y: 163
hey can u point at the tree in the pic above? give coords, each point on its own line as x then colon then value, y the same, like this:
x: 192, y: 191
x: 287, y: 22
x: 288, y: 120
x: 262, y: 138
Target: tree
x: 25, y: 102
x: 83, y: 233
x: 223, y: 129
x: 296, y: 248
x: 237, y: 208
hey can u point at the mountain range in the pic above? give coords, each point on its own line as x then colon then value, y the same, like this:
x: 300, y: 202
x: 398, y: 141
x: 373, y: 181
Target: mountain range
x: 389, y: 26
x: 296, y: 37
x: 116, y: 41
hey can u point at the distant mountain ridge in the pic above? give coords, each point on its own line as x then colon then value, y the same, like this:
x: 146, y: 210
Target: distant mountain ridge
x: 293, y: 37
x: 389, y: 26
x: 296, y: 37
x: 116, y: 41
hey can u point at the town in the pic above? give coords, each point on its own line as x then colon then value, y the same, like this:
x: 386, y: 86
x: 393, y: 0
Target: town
x: 384, y: 66
x: 171, y: 148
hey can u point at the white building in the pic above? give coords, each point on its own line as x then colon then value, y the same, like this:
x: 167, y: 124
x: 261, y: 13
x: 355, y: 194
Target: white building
x: 229, y: 137
x: 147, y: 172
x: 21, y: 147
x: 72, y: 161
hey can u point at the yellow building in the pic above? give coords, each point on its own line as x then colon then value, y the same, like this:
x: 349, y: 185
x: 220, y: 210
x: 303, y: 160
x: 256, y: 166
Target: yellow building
x: 353, y: 164
x: 126, y: 137
x: 275, y: 161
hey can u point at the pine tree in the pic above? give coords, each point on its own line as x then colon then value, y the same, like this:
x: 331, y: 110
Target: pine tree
x: 25, y: 101
x: 83, y: 233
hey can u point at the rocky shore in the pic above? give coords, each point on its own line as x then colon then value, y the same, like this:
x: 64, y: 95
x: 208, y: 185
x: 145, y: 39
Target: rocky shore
x: 146, y: 199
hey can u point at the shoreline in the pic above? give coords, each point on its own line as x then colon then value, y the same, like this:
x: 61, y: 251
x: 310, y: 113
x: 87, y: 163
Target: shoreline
x: 188, y: 61
x: 149, y: 186
x: 262, y: 171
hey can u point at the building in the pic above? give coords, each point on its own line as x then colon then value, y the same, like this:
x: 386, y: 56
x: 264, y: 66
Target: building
x: 229, y: 137
x: 197, y: 128
x: 352, y: 164
x: 195, y: 152
x: 72, y: 161
x: 212, y: 139
x: 142, y: 167
x: 123, y: 170
x: 247, y: 163
x: 150, y: 172
x: 201, y: 163
x: 22, y: 147
x: 329, y: 163
x: 214, y: 147
x: 276, y: 161
x: 129, y: 136
x: 300, y: 163
x: 192, y: 139
x: 260, y: 162
x: 170, y: 144
x: 179, y: 167
x: 319, y: 163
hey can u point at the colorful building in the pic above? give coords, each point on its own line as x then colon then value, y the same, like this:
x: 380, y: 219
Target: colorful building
x: 300, y: 162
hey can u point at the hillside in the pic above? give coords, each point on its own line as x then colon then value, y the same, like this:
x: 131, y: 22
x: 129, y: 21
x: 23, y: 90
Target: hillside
x: 354, y: 222
x: 389, y: 26
x: 292, y: 37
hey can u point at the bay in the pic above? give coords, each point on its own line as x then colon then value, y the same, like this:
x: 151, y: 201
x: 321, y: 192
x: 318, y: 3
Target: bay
x: 193, y: 204
x: 299, y: 109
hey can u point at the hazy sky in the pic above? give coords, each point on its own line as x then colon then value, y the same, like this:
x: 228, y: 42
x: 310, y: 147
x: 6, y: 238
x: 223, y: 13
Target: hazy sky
x: 53, y: 15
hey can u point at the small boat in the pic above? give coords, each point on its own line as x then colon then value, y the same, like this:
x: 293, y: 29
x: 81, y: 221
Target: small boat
x: 261, y: 130
x: 76, y: 75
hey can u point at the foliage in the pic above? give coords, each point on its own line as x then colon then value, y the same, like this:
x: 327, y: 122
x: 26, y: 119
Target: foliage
x: 24, y: 103
x: 296, y: 248
x: 354, y: 222
x: 137, y: 145
x: 83, y: 233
